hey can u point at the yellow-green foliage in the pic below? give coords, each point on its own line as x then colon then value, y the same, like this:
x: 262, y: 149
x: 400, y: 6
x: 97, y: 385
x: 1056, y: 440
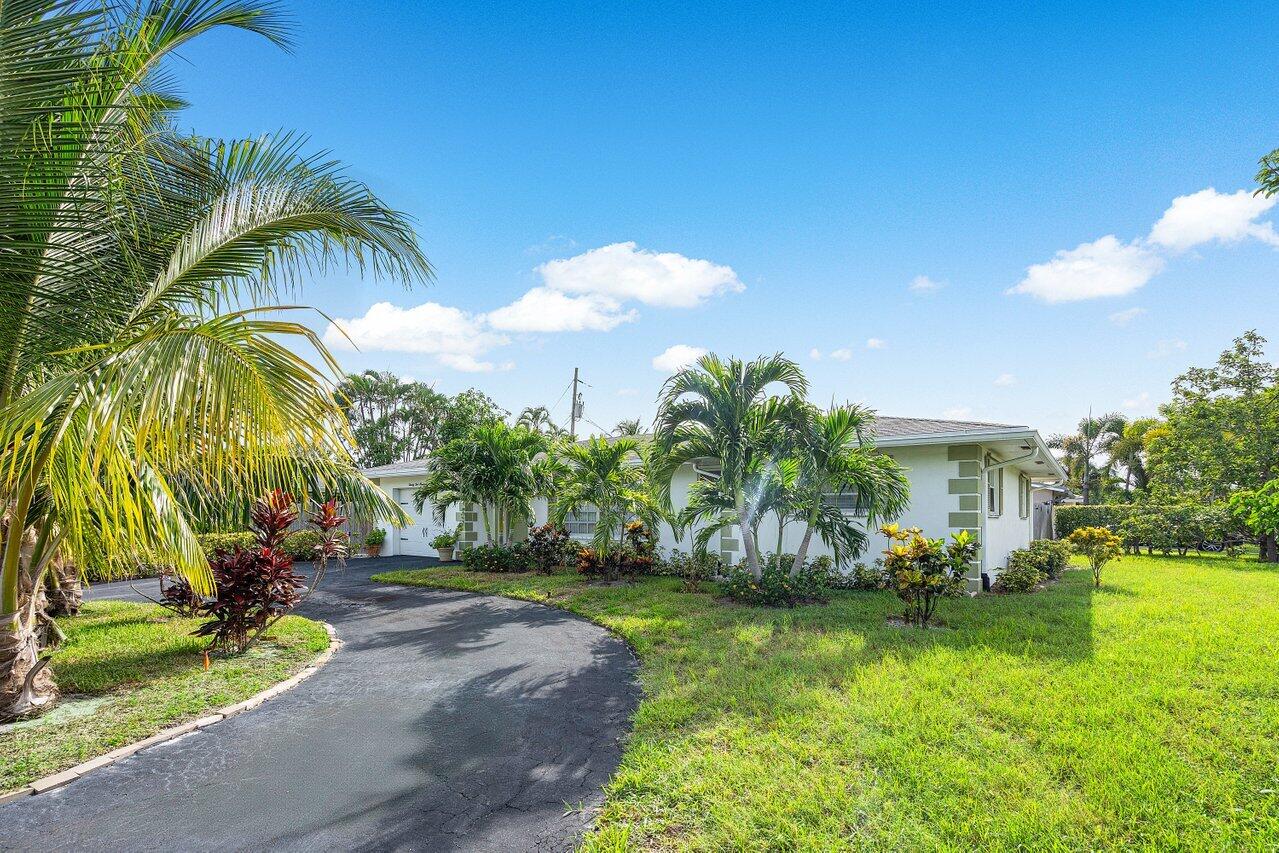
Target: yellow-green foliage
x: 1097, y: 545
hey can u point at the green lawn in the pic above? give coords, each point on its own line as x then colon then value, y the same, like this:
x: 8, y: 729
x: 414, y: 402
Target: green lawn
x: 144, y: 673
x: 1144, y: 714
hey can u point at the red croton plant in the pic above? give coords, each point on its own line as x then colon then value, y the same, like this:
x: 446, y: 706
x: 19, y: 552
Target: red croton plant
x: 257, y: 586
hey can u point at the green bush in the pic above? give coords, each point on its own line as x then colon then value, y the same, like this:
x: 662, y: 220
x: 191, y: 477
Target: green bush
x: 693, y: 568
x: 775, y: 587
x: 1051, y: 555
x: 1022, y: 574
x: 1155, y: 527
x: 867, y: 578
x: 498, y: 558
x: 302, y: 544
x: 214, y: 542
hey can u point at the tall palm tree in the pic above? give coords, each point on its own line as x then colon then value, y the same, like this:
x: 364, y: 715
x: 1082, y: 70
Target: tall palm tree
x: 724, y: 409
x: 497, y: 467
x: 538, y: 419
x: 1128, y: 453
x: 608, y: 474
x: 139, y: 384
x: 629, y: 426
x: 1079, y: 450
x: 836, y: 454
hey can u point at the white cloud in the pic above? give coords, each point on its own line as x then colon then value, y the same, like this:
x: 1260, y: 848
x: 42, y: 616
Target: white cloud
x: 1141, y: 404
x: 1208, y: 216
x: 1104, y: 267
x: 1165, y: 348
x: 552, y: 243
x: 815, y: 354
x: 622, y: 271
x: 842, y: 354
x: 544, y: 310
x: 676, y: 357
x: 875, y: 343
x: 957, y: 412
x: 1126, y: 316
x: 924, y: 284
x: 1005, y: 380
x: 457, y: 339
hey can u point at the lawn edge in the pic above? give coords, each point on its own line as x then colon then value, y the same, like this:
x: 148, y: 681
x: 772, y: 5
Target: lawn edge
x: 64, y: 777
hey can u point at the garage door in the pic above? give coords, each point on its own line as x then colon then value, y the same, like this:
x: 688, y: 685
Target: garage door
x: 415, y: 539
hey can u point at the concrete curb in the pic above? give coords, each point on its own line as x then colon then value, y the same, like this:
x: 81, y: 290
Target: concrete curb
x: 57, y: 780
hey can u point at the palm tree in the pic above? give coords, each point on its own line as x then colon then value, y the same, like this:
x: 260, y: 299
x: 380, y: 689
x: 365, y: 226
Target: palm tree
x: 139, y: 385
x: 497, y: 467
x: 609, y: 475
x: 628, y: 426
x: 1079, y: 450
x: 1128, y: 452
x: 722, y: 409
x: 836, y: 454
x: 538, y: 419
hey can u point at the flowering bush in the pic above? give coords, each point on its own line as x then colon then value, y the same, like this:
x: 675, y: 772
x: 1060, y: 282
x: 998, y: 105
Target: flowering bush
x: 1099, y: 545
x: 923, y: 571
x: 775, y: 587
x: 548, y: 547
x: 498, y: 558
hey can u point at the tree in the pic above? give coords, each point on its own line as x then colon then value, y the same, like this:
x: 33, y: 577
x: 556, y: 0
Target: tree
x: 723, y: 409
x: 1128, y: 453
x: 1221, y: 431
x: 835, y: 454
x: 1099, y: 546
x: 139, y: 385
x: 628, y: 426
x: 1258, y: 509
x: 494, y: 466
x: 609, y: 475
x: 391, y: 420
x: 538, y: 419
x: 1079, y: 452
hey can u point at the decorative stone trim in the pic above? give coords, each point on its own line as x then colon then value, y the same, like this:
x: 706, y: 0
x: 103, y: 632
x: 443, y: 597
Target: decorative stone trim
x: 57, y: 780
x: 966, y: 515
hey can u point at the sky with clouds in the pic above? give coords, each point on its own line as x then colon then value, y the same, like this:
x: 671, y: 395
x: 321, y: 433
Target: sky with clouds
x: 992, y: 214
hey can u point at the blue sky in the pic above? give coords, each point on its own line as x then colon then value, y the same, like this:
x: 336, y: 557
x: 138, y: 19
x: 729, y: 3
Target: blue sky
x: 818, y: 159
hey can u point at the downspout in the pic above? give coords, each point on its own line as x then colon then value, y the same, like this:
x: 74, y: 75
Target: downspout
x: 985, y: 491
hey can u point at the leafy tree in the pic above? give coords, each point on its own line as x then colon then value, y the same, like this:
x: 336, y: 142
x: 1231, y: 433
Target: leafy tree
x: 1258, y: 509
x: 538, y: 419
x: 629, y: 426
x: 1128, y: 453
x: 466, y: 411
x: 144, y: 377
x: 723, y: 409
x: 609, y: 475
x: 1221, y: 431
x: 1099, y: 546
x: 494, y: 466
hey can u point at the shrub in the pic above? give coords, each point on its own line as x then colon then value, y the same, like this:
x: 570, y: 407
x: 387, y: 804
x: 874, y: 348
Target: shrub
x: 1099, y: 545
x: 923, y: 571
x: 178, y: 595
x: 212, y: 543
x: 308, y: 544
x: 548, y: 547
x: 446, y: 540
x: 1052, y: 556
x: 255, y: 586
x: 868, y: 578
x: 375, y: 538
x: 693, y: 568
x: 775, y: 587
x: 498, y: 558
x: 1022, y: 574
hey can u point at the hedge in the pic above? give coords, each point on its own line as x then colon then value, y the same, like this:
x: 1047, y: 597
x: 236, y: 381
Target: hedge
x: 1110, y: 516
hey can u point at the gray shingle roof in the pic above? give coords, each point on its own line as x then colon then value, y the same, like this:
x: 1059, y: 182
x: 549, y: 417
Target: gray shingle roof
x: 888, y: 427
x: 413, y: 466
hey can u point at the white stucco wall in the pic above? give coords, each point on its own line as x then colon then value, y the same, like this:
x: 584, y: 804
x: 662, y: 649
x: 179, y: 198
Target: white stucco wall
x: 1006, y: 532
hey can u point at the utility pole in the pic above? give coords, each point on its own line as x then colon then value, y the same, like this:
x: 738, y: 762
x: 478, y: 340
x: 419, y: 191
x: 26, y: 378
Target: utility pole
x: 575, y: 406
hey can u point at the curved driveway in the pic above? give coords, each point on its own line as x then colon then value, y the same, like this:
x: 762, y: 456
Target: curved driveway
x: 447, y: 721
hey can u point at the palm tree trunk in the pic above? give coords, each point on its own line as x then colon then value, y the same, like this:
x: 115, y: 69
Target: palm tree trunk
x: 802, y: 553
x: 26, y: 683
x: 748, y: 537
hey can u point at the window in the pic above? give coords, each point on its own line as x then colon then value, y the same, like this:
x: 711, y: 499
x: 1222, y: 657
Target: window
x: 848, y: 503
x: 581, y: 524
x: 995, y: 492
x: 1023, y: 496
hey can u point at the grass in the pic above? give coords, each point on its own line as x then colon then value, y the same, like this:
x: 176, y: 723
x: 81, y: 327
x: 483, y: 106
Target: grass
x: 140, y: 671
x: 1143, y: 714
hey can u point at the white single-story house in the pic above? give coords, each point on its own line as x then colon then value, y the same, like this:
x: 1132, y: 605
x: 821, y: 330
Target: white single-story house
x: 964, y: 475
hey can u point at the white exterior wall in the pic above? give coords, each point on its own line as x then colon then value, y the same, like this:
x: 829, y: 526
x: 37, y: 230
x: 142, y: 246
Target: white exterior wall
x: 1008, y: 531
x: 415, y: 539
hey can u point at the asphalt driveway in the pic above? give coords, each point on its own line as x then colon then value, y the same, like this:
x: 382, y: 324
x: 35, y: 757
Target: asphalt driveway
x: 447, y: 721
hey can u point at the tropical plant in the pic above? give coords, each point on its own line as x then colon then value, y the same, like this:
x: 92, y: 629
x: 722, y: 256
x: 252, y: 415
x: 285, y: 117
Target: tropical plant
x: 498, y: 558
x: 922, y: 571
x: 538, y: 419
x: 498, y: 468
x: 1099, y: 546
x: 257, y: 586
x: 1080, y: 451
x: 776, y: 586
x: 723, y: 409
x: 1051, y: 556
x: 444, y: 540
x: 693, y: 568
x: 835, y: 454
x: 549, y: 546
x: 628, y: 426
x: 1127, y: 453
x: 608, y: 475
x: 140, y: 387
x: 1258, y: 509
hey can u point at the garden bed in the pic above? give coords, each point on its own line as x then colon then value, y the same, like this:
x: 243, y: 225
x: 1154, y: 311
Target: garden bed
x: 1139, y: 714
x: 128, y: 671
